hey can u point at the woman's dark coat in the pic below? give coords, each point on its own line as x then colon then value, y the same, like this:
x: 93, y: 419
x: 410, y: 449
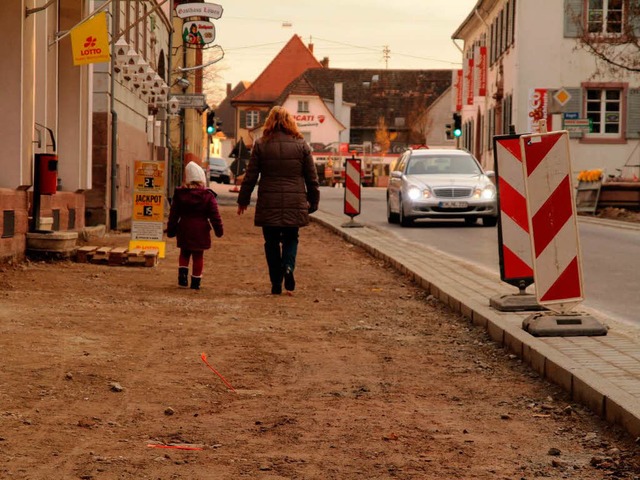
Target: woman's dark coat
x: 194, y: 211
x: 288, y: 190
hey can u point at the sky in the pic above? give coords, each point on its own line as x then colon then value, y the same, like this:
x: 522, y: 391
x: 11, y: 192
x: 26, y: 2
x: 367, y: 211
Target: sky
x: 351, y: 33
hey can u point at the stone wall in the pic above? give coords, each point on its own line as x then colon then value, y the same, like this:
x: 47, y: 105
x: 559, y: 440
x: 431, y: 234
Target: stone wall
x: 66, y: 207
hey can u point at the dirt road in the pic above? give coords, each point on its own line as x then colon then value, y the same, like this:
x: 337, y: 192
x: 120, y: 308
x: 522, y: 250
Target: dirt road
x: 359, y: 375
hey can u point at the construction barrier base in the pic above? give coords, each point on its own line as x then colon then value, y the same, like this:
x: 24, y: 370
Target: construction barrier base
x: 515, y: 303
x: 568, y: 325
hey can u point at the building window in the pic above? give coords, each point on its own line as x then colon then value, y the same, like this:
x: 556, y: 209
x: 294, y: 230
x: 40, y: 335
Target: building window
x: 55, y: 213
x: 303, y: 106
x: 71, y: 225
x: 253, y: 117
x: 605, y: 16
x: 604, y: 111
x: 8, y: 223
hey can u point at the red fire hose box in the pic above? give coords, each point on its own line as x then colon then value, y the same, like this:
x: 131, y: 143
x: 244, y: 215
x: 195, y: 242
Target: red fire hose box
x: 47, y: 169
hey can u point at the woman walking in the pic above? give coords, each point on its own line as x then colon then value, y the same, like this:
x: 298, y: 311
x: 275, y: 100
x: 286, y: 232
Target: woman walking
x: 288, y: 191
x: 194, y: 212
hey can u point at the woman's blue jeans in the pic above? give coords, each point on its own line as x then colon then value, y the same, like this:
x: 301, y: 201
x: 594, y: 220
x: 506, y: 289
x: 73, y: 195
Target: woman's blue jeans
x: 280, y: 249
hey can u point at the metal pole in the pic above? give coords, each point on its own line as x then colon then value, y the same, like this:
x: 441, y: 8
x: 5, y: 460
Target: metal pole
x: 170, y: 182
x: 113, y: 210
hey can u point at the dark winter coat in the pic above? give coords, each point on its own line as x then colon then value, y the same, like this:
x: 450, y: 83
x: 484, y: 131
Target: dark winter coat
x: 288, y: 190
x: 194, y: 211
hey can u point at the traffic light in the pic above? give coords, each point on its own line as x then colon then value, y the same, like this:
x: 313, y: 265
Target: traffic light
x: 448, y: 131
x: 457, y: 125
x: 211, y: 122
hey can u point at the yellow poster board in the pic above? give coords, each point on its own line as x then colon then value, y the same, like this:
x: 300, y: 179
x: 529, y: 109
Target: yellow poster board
x: 148, y: 206
x: 148, y: 245
x: 147, y: 221
x: 90, y: 41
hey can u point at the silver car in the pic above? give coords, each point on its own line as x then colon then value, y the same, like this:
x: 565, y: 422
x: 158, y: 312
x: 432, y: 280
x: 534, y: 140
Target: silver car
x: 219, y: 170
x: 430, y: 183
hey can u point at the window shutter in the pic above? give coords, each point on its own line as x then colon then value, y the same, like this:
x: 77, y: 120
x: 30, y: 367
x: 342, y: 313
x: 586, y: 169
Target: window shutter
x: 243, y: 119
x: 573, y: 18
x: 633, y: 113
x: 634, y: 16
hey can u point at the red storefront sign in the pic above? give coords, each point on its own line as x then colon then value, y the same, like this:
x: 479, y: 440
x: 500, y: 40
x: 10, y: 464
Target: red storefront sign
x: 457, y: 90
x: 469, y: 81
x: 480, y: 77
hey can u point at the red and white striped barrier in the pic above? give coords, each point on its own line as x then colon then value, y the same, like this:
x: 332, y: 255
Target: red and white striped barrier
x: 513, y: 229
x: 552, y: 217
x: 352, y: 187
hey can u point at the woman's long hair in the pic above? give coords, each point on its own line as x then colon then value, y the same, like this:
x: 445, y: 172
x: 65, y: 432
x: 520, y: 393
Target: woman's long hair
x: 280, y: 120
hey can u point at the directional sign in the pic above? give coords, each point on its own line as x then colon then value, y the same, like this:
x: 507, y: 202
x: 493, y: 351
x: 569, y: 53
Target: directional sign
x: 552, y: 218
x: 192, y: 100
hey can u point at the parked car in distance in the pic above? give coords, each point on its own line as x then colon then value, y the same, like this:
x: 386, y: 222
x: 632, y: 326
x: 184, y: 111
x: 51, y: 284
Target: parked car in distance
x: 440, y: 183
x: 219, y: 170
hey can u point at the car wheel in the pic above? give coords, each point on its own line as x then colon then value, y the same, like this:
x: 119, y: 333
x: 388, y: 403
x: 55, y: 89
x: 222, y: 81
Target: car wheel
x: 470, y: 220
x: 404, y: 220
x: 226, y: 180
x: 391, y: 217
x: 489, y: 221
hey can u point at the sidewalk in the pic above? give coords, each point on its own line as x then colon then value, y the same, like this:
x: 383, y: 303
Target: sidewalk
x: 601, y: 372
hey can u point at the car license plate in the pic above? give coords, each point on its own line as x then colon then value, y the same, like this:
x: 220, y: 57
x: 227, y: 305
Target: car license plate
x: 453, y: 205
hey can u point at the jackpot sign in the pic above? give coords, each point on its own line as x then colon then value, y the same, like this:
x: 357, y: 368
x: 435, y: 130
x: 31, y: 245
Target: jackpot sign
x: 148, y: 207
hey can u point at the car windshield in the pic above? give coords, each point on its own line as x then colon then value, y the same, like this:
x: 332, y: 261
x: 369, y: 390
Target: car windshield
x: 218, y: 162
x: 443, y: 165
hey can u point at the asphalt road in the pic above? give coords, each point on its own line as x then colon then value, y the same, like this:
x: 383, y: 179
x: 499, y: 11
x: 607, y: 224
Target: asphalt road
x: 610, y: 255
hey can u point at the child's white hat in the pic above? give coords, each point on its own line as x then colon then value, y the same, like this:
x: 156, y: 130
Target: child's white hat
x: 194, y: 173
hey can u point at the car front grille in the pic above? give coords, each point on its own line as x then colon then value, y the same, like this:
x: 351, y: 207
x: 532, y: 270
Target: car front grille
x: 452, y: 192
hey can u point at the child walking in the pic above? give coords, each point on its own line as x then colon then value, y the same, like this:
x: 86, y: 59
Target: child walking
x: 194, y: 212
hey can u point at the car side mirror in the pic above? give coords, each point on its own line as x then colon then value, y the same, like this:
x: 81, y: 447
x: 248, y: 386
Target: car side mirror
x: 490, y: 174
x: 396, y: 174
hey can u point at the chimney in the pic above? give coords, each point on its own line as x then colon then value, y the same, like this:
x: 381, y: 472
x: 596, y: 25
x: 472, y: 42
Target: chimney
x: 228, y: 89
x: 311, y: 47
x: 325, y: 62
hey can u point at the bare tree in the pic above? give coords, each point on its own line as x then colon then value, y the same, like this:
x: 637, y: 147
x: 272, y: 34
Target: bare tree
x: 613, y: 37
x: 419, y: 122
x: 213, y: 81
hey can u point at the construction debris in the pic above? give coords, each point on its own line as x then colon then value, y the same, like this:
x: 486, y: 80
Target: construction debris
x: 117, y: 256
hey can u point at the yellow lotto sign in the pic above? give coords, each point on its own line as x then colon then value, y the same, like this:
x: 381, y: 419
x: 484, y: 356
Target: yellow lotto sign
x: 148, y: 246
x: 148, y: 176
x: 148, y: 206
x: 90, y: 41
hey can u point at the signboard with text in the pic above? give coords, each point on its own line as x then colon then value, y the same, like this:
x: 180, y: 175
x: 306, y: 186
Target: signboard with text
x: 147, y: 222
x: 211, y: 10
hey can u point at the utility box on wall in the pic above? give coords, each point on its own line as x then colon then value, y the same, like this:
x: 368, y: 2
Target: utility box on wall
x: 46, y: 166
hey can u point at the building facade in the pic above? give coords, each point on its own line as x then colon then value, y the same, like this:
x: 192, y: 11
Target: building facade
x: 525, y: 61
x: 128, y: 108
x: 96, y: 119
x: 47, y: 105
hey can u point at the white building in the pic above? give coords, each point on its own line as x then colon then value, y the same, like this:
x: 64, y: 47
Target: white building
x: 523, y: 60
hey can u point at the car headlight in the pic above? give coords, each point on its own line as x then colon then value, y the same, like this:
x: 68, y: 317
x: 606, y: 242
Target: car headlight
x: 486, y: 192
x: 415, y: 193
